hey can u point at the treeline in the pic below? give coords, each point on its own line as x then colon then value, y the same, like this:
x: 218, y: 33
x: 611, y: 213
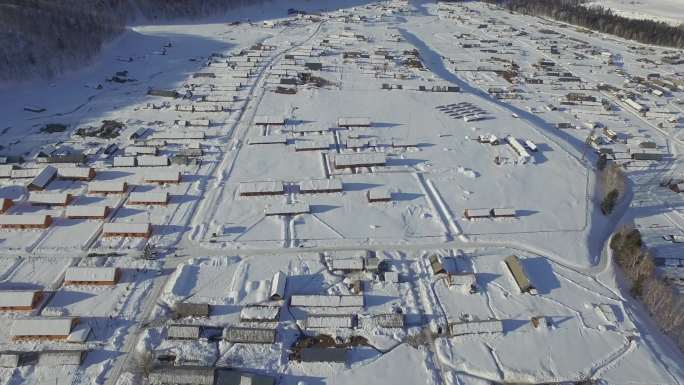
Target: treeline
x: 45, y: 37
x: 665, y: 304
x: 599, y: 19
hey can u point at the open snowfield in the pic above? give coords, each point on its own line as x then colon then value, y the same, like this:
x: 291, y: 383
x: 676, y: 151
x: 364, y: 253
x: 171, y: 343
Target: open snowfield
x: 439, y: 94
x: 668, y: 11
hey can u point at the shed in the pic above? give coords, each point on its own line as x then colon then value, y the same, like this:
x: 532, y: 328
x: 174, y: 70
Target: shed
x: 181, y: 375
x: 126, y: 229
x: 60, y: 358
x: 124, y: 161
x: 107, y: 187
x: 87, y: 212
x: 288, y: 209
x: 5, y: 205
x: 278, y: 286
x: 152, y: 160
x: 49, y: 198
x: 342, y: 321
x: 183, y: 332
x: 76, y: 173
x: 261, y: 188
x: 43, y: 328
x: 317, y: 144
x: 503, y: 213
x: 477, y: 213
x: 163, y: 176
x: 437, y: 265
x: 268, y: 139
x: 347, y: 122
x: 263, y: 120
x: 367, y: 159
x: 187, y: 309
x: 347, y: 264
x: 92, y: 276
x: 243, y: 335
x: 317, y: 300
x: 25, y: 221
x: 515, y: 267
x: 317, y: 186
x: 324, y: 355
x: 43, y: 178
x: 476, y: 327
x: 19, y: 300
x: 378, y: 195
x: 389, y: 321
x: 148, y: 198
x: 257, y: 313
x: 234, y: 377
x: 140, y: 150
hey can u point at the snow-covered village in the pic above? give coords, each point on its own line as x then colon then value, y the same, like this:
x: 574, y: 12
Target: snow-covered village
x: 348, y: 192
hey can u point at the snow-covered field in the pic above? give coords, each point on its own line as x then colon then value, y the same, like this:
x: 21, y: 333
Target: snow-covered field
x: 668, y: 11
x: 387, y: 65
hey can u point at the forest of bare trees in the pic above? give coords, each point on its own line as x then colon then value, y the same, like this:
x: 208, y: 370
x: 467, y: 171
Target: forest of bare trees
x: 599, y: 19
x: 41, y: 38
x: 665, y: 304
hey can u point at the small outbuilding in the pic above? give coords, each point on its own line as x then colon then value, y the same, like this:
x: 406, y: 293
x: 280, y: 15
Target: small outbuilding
x: 106, y: 188
x: 92, y: 276
x: 148, y: 198
x: 87, y: 212
x: 187, y: 309
x: 42, y: 179
x: 43, y: 328
x: 278, y: 286
x: 19, y: 300
x: 25, y: 221
x: 244, y: 335
x: 126, y: 229
x: 516, y: 269
x: 184, y: 332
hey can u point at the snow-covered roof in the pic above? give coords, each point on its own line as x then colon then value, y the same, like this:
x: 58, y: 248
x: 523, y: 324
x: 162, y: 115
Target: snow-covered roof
x: 165, y: 135
x: 25, y: 173
x: 478, y: 213
x: 327, y: 300
x: 86, y: 211
x: 288, y: 209
x: 353, y: 122
x: 390, y: 320
x: 320, y: 185
x: 74, y: 172
x: 107, y: 186
x: 278, y: 285
x: 124, y: 161
x: 24, y: 219
x: 360, y: 159
x: 140, y: 150
x: 324, y: 355
x: 126, y: 228
x: 261, y: 187
x: 91, y: 274
x: 6, y: 170
x: 476, y: 327
x: 44, y: 177
x: 274, y: 120
x: 259, y: 313
x: 48, y: 198
x: 42, y: 327
x: 161, y: 197
x: 184, y: 332
x: 152, y: 160
x: 168, y: 175
x: 269, y: 139
x: 329, y: 321
x: 312, y: 144
x: 347, y: 264
x: 504, y: 212
x: 17, y: 298
x: 249, y: 335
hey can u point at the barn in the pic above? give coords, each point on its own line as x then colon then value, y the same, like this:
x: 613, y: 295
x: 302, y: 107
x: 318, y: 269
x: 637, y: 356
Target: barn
x: 163, y: 176
x: 49, y: 198
x: 76, y: 173
x: 518, y: 272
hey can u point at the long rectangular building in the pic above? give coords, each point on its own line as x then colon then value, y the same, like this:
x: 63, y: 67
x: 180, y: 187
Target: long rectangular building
x: 316, y: 300
x: 366, y: 159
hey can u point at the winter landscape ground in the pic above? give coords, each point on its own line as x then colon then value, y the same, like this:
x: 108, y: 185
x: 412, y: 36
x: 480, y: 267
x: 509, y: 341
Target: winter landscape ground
x: 342, y: 192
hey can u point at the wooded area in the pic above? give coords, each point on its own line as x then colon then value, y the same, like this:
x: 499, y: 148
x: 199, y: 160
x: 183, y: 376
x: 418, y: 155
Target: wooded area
x: 600, y: 19
x: 42, y: 38
x: 664, y: 303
